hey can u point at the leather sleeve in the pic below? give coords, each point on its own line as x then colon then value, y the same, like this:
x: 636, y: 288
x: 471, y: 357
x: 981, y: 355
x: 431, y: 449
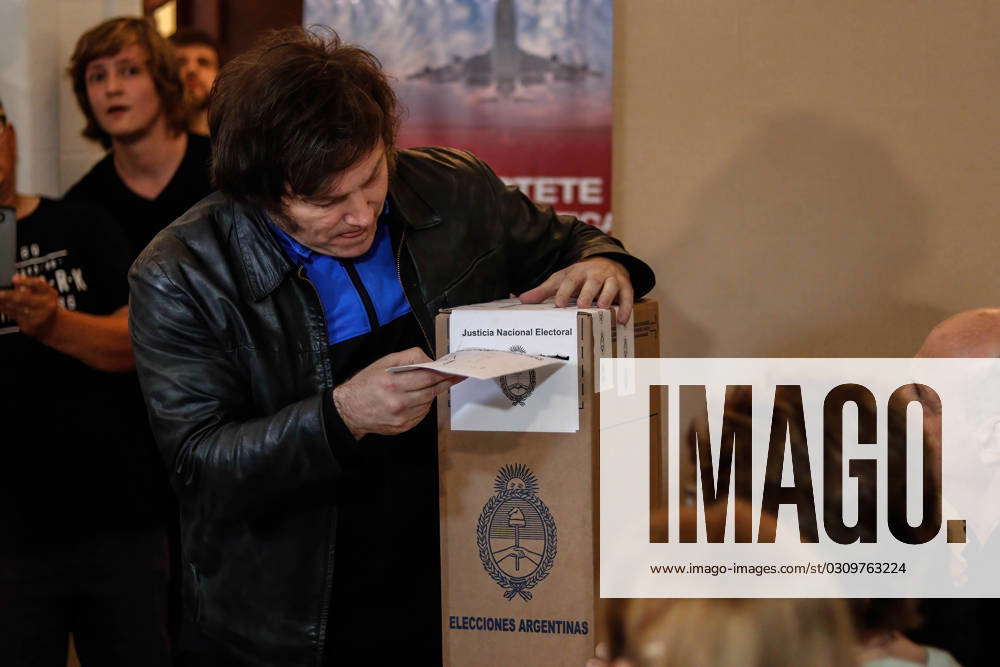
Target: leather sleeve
x: 539, y: 239
x: 221, y: 459
x: 345, y: 447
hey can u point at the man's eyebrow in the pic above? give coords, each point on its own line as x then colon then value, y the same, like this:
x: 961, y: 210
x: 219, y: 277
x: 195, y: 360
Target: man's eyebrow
x: 116, y: 62
x: 334, y: 199
x: 330, y: 200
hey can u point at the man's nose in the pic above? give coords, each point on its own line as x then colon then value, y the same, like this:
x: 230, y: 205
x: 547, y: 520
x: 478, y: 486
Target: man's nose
x: 359, y: 213
x: 114, y: 84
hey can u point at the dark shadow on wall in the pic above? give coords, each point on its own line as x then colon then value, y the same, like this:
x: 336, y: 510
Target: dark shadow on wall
x: 799, y: 247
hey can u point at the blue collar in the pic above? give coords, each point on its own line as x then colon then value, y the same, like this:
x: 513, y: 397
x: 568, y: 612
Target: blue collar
x: 298, y: 253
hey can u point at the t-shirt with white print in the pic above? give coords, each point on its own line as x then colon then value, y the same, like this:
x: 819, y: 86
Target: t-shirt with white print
x: 75, y: 456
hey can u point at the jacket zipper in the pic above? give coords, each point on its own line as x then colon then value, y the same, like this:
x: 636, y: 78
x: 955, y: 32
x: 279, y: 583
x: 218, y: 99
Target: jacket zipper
x: 324, y: 611
x: 362, y: 291
x: 399, y: 277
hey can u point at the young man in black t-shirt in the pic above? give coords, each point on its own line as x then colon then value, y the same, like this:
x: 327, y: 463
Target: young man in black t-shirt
x: 82, y: 543
x: 127, y: 83
x: 139, y: 217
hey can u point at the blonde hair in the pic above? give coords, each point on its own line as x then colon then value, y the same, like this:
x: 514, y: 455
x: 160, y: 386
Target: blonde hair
x: 737, y: 632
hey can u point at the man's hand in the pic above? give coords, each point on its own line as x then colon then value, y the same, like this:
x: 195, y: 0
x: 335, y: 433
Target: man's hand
x: 598, y: 278
x: 602, y: 658
x: 377, y: 401
x: 33, y: 304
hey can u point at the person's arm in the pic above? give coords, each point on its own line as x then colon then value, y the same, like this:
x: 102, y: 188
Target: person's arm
x: 548, y: 255
x: 220, y: 452
x: 100, y: 341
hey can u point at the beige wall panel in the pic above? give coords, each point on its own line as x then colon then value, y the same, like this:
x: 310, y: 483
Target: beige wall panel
x: 809, y: 178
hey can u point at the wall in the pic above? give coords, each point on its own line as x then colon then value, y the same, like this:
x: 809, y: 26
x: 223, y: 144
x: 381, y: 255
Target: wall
x: 809, y: 178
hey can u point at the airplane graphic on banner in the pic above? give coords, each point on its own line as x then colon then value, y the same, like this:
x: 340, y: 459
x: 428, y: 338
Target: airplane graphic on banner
x: 506, y: 64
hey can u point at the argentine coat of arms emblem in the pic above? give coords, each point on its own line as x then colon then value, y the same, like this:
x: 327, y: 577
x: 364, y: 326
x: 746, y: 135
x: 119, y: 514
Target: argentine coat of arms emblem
x: 517, y: 387
x: 516, y: 533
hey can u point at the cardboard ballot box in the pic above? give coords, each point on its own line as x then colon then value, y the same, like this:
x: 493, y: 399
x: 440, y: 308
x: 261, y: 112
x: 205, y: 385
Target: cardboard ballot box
x: 518, y: 484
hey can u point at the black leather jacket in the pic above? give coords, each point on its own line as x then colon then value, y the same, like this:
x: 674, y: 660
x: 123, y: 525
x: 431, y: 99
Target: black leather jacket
x: 232, y: 353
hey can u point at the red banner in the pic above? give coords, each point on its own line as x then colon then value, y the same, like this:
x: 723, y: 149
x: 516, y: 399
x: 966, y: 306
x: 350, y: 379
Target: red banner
x: 525, y: 85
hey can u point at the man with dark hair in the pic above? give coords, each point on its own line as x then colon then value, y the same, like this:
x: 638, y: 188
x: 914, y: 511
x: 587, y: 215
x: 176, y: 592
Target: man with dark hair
x: 264, y: 321
x: 82, y: 545
x: 199, y: 61
x: 126, y: 80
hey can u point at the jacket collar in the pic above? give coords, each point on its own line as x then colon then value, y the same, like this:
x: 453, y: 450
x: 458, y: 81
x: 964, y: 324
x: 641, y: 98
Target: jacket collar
x: 412, y: 208
x: 264, y: 261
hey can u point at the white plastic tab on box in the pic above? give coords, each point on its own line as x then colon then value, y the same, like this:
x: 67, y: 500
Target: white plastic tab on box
x: 602, y: 320
x: 626, y: 350
x: 542, y: 400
